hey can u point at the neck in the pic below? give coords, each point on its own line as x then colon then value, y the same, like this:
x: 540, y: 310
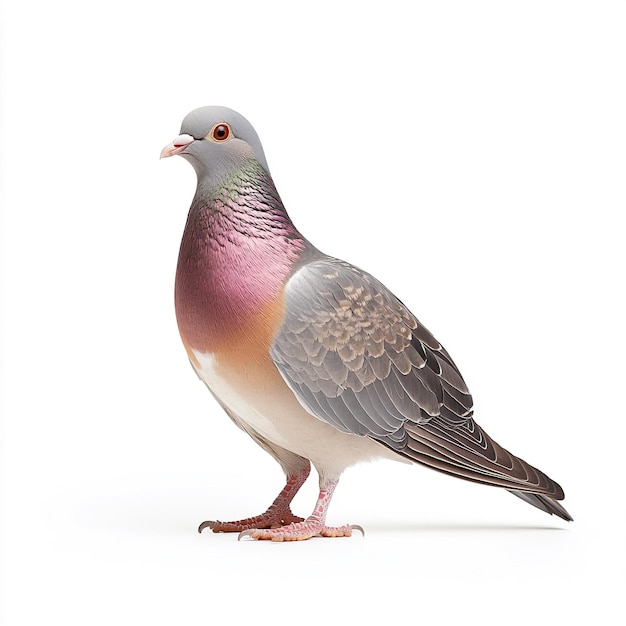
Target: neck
x: 238, y: 249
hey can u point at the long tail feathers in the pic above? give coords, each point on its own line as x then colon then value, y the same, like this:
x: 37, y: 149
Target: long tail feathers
x: 467, y: 451
x: 545, y: 503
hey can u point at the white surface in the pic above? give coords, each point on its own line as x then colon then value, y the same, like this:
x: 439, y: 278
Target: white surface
x: 470, y: 155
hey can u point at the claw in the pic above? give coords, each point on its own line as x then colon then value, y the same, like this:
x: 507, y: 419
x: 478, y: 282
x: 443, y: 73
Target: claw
x: 357, y: 527
x: 207, y: 524
x: 246, y: 533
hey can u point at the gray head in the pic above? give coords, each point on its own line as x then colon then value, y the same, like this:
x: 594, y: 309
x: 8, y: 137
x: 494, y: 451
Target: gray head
x: 216, y: 140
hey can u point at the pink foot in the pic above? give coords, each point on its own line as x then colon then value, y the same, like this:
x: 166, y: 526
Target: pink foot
x: 311, y: 526
x: 299, y: 531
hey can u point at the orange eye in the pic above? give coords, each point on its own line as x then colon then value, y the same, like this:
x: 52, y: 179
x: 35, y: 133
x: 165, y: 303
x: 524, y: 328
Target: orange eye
x: 220, y: 132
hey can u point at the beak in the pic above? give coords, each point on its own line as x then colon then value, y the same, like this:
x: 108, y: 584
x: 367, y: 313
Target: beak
x: 177, y: 146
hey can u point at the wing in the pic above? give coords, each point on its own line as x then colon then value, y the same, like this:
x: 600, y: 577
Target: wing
x: 358, y: 359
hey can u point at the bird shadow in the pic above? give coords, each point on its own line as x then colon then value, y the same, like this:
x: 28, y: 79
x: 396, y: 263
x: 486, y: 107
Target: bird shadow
x: 461, y: 527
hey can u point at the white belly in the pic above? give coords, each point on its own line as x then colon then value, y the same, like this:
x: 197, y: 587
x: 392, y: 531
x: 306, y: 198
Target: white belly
x: 274, y: 412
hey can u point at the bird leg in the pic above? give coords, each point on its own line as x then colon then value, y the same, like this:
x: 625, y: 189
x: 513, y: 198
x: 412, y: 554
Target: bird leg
x: 277, y: 515
x: 313, y: 525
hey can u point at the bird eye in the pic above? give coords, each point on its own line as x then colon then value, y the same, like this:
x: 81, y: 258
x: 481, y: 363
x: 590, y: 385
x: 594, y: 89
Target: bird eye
x: 220, y: 132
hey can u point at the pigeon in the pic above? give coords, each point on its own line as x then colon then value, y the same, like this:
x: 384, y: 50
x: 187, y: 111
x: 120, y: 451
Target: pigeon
x: 312, y: 357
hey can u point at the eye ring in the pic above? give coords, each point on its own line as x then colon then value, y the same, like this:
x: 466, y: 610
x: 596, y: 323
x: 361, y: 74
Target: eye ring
x: 220, y: 132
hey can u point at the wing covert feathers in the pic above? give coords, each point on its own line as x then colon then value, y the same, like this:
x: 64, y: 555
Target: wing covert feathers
x: 355, y: 355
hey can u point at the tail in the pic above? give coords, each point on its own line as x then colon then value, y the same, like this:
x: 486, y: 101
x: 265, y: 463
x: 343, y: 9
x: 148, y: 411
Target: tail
x: 545, y: 503
x: 468, y: 452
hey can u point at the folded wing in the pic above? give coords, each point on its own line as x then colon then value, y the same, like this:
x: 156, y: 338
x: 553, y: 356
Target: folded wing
x: 357, y: 358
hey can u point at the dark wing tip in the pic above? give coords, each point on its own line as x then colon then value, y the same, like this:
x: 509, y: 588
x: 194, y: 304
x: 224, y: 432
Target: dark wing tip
x: 545, y: 503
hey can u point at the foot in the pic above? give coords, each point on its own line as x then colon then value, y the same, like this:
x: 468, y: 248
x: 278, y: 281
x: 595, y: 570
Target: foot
x: 269, y: 519
x: 279, y: 514
x: 299, y: 531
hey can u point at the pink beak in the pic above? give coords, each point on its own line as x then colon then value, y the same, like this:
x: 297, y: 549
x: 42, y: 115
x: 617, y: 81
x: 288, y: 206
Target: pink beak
x: 177, y: 146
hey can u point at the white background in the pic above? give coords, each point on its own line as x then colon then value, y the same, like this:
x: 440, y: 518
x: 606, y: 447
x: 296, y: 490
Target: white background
x: 469, y: 154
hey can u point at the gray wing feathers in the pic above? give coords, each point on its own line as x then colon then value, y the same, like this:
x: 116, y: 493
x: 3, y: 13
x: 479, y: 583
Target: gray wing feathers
x: 358, y: 359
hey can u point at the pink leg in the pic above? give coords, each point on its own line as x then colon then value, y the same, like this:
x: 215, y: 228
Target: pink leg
x: 278, y: 514
x: 312, y: 525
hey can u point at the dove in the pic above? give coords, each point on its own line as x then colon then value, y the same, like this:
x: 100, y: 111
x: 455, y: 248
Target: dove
x: 316, y: 360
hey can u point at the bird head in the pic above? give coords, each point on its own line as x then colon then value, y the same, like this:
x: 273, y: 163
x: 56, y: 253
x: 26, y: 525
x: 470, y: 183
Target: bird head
x: 216, y: 140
